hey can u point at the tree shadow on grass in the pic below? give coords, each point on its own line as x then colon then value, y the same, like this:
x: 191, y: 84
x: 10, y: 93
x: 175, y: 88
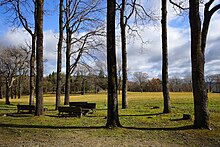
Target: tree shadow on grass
x: 50, y: 127
x: 144, y: 114
x: 21, y: 114
x: 188, y: 127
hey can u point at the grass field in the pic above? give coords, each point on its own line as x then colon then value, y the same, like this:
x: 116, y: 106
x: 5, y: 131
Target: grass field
x: 142, y: 125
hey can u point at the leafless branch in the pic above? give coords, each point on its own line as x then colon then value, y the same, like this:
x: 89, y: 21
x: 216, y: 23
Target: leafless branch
x: 178, y: 5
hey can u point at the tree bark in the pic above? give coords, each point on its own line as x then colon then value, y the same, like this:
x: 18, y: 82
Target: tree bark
x: 197, y: 58
x: 7, y: 101
x: 1, y: 96
x: 68, y: 47
x: 59, y: 55
x: 32, y: 70
x: 19, y: 86
x: 124, y: 56
x: 12, y: 96
x: 39, y: 54
x: 113, y: 118
x: 166, y: 95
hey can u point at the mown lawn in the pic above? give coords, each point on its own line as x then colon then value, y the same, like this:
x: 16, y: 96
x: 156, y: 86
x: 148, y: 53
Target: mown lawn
x: 142, y: 125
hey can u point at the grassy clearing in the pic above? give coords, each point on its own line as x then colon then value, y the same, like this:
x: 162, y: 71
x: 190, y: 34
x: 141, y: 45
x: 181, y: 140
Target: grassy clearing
x: 142, y: 125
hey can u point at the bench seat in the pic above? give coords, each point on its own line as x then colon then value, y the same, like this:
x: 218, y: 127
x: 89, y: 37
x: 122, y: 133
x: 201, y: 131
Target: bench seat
x: 29, y: 108
x: 73, y: 111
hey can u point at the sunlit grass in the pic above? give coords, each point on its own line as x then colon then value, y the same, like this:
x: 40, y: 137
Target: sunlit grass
x: 140, y: 120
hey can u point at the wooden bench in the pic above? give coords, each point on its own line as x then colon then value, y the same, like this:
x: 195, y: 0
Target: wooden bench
x: 73, y: 111
x: 86, y: 107
x: 77, y: 104
x: 30, y: 108
x: 91, y: 106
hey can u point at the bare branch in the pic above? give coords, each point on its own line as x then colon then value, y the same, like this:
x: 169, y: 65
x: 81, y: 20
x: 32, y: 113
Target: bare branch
x: 178, y: 5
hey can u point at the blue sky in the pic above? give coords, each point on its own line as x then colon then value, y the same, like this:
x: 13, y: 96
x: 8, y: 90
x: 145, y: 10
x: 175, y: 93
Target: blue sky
x: 141, y: 58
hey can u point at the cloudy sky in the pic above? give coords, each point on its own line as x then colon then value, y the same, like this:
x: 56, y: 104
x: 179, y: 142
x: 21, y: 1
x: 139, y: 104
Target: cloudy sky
x: 141, y: 57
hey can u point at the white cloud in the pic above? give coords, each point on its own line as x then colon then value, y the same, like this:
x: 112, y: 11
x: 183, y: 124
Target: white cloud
x: 179, y: 48
x: 14, y: 37
x: 21, y: 37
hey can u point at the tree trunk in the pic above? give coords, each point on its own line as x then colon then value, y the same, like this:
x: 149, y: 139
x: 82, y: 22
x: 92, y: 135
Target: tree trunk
x: 68, y: 46
x: 7, y: 101
x: 59, y: 55
x: 1, y: 82
x: 113, y: 118
x: 124, y: 57
x: 1, y: 97
x: 19, y: 86
x: 32, y: 70
x: 166, y: 95
x: 12, y: 96
x: 39, y: 78
x: 83, y: 88
x: 197, y: 58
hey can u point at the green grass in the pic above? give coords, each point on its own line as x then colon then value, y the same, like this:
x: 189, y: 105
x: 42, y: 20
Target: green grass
x: 142, y: 125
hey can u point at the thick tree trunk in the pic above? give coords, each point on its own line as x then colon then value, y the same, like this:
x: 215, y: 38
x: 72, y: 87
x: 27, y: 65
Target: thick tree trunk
x: 59, y: 55
x: 39, y: 78
x: 166, y: 95
x: 32, y: 71
x: 198, y: 61
x: 124, y: 57
x: 113, y: 118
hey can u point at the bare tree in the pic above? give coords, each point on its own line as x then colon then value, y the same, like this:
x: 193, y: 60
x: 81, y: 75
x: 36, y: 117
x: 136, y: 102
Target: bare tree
x: 39, y: 57
x: 59, y: 54
x: 112, y: 118
x: 166, y: 95
x: 198, y: 44
x: 123, y: 23
x: 20, y: 11
x: 12, y: 60
x: 212, y: 80
x: 82, y: 25
x: 199, y: 33
x: 129, y: 9
x: 140, y: 78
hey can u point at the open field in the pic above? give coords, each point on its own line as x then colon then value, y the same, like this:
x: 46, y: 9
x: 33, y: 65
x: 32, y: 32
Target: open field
x: 142, y: 125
